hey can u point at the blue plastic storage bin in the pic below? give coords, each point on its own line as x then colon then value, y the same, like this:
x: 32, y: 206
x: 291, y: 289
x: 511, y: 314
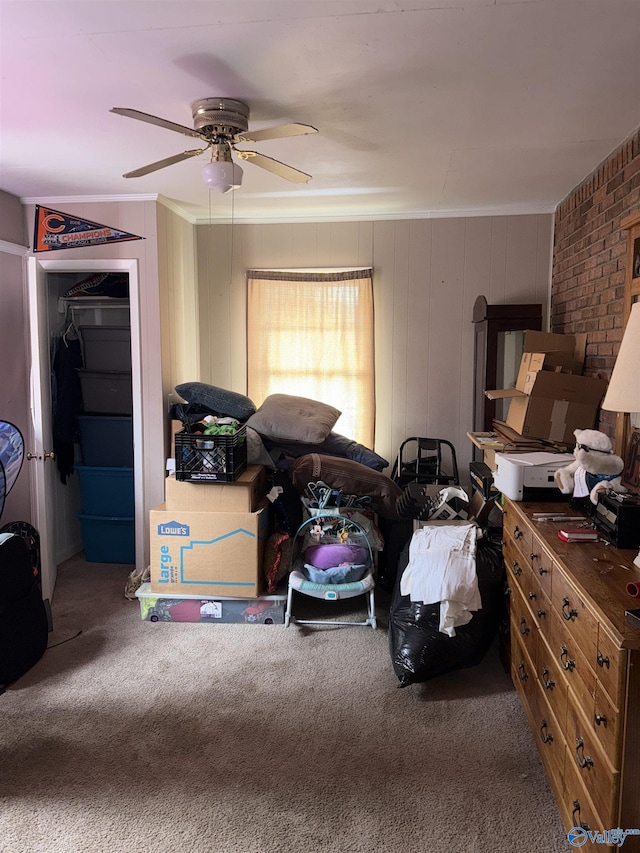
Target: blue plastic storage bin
x: 106, y: 440
x: 106, y: 491
x: 108, y: 540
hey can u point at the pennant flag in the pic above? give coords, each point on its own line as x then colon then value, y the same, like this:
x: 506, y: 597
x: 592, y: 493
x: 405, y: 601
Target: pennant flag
x: 56, y: 230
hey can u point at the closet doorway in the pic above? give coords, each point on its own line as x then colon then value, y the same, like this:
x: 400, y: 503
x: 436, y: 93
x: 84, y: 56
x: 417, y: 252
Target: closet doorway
x: 55, y: 506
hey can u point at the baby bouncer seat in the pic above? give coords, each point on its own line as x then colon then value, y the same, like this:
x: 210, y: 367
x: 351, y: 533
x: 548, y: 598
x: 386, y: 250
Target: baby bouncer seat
x: 323, y: 539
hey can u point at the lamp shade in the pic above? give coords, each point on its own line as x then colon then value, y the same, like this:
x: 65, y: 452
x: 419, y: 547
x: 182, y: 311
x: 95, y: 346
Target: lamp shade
x: 222, y: 175
x: 623, y: 393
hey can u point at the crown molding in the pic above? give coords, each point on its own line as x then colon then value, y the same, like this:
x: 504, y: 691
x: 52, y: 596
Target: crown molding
x: 88, y: 199
x: 469, y: 213
x: 207, y: 219
x: 13, y: 248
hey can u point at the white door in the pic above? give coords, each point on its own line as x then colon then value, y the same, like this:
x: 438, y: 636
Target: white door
x: 38, y: 451
x: 39, y: 445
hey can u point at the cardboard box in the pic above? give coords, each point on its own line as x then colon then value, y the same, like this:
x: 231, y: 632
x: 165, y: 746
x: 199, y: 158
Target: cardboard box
x: 158, y: 607
x: 532, y: 362
x: 243, y: 495
x: 207, y: 553
x: 556, y: 404
x: 548, y: 351
x: 575, y: 345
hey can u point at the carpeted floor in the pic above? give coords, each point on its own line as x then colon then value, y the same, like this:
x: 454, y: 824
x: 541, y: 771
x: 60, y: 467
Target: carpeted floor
x: 137, y: 736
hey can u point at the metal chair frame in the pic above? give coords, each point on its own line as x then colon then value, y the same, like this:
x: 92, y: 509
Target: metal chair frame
x: 427, y: 465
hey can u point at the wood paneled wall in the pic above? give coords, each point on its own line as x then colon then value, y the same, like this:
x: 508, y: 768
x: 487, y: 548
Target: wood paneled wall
x: 178, y: 300
x: 427, y: 276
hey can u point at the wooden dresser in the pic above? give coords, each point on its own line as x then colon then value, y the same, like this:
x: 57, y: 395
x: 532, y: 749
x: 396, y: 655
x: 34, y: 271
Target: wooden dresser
x: 575, y: 662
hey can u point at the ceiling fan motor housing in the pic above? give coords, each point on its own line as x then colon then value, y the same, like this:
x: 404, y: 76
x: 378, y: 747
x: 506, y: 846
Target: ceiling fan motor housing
x: 220, y: 117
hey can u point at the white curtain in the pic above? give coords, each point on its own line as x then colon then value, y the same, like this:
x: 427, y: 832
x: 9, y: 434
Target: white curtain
x: 310, y: 334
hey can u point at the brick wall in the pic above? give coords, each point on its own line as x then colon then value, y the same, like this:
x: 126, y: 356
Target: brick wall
x: 589, y: 254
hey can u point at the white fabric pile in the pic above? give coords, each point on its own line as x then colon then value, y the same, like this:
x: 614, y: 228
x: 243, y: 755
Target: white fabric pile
x: 442, y: 568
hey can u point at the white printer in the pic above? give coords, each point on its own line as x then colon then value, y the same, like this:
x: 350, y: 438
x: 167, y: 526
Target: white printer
x: 527, y: 476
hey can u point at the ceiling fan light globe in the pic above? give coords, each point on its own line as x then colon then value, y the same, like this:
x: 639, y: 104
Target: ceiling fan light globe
x: 222, y: 176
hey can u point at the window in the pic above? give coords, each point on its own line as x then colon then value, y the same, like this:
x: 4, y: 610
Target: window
x: 310, y: 334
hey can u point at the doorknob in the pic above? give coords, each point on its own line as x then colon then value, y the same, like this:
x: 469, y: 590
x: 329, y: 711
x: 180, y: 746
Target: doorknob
x: 33, y: 456
x: 49, y: 455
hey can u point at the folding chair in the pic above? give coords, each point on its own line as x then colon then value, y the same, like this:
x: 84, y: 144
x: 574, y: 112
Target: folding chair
x: 427, y: 461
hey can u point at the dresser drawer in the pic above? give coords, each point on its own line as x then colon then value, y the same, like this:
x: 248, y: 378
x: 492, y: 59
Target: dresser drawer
x: 610, y: 665
x: 600, y: 780
x: 531, y: 592
x: 548, y: 732
x: 552, y: 681
x: 579, y: 676
x: 515, y: 563
x: 576, y: 806
x: 607, y: 727
x: 541, y: 565
x: 522, y: 624
x: 580, y: 623
x: 523, y: 675
x: 543, y: 615
x: 514, y: 529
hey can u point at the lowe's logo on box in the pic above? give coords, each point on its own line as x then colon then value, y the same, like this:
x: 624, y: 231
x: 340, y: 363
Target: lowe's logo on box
x: 173, y: 528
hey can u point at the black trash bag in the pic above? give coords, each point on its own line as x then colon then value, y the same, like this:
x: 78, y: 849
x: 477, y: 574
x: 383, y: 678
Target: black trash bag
x: 419, y: 651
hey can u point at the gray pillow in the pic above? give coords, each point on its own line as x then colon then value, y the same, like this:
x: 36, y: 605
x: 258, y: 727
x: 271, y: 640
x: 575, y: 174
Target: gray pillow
x: 257, y: 453
x: 289, y: 418
x: 218, y: 400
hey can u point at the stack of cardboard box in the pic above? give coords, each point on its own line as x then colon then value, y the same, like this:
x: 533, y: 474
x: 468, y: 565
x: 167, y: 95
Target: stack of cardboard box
x: 208, y: 539
x: 552, y: 398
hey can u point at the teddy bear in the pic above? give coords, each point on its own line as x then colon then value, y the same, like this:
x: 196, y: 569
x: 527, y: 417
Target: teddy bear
x: 595, y: 468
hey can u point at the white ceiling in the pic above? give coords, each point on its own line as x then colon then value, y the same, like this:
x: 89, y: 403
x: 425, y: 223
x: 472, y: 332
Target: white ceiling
x: 424, y: 107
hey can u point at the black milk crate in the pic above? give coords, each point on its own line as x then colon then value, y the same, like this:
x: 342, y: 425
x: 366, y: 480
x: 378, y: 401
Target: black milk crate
x: 207, y: 458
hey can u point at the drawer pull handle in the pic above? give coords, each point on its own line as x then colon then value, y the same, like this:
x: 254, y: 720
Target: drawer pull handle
x: 584, y: 761
x: 524, y: 628
x: 568, y: 613
x: 533, y: 556
x: 532, y: 596
x: 601, y: 720
x: 567, y: 663
x: 517, y: 533
x: 507, y: 589
x: 522, y: 672
x: 549, y: 683
x: 602, y: 661
x: 546, y: 737
x: 575, y: 815
x: 542, y: 571
x: 517, y: 569
x: 542, y: 614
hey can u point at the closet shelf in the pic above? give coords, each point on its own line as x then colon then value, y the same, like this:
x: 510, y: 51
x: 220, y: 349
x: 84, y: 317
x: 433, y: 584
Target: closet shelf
x: 95, y: 310
x: 65, y: 302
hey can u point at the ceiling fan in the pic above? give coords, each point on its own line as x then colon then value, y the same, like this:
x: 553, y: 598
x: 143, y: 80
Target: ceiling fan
x: 222, y: 123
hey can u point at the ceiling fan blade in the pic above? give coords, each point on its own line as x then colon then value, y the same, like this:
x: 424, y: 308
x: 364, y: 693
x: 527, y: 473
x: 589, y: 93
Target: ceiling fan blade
x: 278, y: 132
x: 160, y: 122
x: 168, y: 161
x: 275, y: 166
